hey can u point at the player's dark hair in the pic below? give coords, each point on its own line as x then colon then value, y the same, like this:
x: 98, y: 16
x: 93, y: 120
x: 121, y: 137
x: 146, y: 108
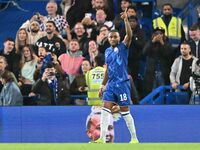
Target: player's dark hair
x: 113, y: 31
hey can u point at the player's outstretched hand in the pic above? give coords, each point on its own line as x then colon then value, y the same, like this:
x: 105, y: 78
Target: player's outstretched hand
x: 124, y: 14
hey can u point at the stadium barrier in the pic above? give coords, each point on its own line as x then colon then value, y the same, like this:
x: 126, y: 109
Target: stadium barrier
x: 31, y: 100
x: 67, y: 124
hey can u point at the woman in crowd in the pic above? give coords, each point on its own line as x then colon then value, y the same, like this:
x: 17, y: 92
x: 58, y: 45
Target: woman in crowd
x: 78, y: 86
x: 10, y: 94
x: 20, y: 41
x: 28, y: 64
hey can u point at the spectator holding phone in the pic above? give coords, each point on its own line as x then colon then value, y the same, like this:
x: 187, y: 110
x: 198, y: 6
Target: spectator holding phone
x: 55, y: 88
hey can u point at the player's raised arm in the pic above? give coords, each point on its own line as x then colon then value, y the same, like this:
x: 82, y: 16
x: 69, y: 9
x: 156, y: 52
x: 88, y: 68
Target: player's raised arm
x: 129, y: 34
x: 105, y: 79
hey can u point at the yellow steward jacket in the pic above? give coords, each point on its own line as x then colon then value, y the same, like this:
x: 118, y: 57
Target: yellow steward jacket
x: 173, y: 32
x: 94, y: 80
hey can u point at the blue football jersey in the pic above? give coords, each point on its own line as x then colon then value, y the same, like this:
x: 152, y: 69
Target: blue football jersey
x: 117, y: 61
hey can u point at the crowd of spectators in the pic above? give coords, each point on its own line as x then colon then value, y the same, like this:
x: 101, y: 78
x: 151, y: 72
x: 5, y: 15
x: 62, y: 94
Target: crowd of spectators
x: 49, y: 59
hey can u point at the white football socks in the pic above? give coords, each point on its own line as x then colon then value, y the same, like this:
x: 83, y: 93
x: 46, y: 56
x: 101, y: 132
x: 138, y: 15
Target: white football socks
x: 105, y: 120
x: 130, y: 124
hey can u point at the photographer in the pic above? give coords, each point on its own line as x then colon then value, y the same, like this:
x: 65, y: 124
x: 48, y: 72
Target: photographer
x: 195, y: 84
x: 45, y: 57
x: 55, y: 88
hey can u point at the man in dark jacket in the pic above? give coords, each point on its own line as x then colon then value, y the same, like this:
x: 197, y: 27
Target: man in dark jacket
x: 52, y: 88
x: 137, y: 44
x: 8, y: 52
x: 194, y: 41
x: 159, y: 53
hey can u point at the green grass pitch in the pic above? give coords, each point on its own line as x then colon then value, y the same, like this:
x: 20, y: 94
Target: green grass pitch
x: 117, y: 146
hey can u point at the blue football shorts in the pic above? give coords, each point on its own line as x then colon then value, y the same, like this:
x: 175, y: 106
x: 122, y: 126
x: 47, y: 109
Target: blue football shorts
x: 119, y: 93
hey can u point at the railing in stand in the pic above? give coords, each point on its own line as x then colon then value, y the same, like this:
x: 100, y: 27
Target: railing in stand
x: 166, y: 95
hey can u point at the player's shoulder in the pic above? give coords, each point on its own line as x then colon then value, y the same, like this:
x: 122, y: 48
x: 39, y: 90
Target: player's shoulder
x: 108, y: 51
x: 123, y: 45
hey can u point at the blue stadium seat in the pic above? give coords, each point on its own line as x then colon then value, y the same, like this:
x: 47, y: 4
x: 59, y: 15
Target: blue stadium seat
x: 166, y: 95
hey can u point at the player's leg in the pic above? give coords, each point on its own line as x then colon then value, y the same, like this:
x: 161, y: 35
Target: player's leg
x: 123, y: 92
x: 108, y: 102
x: 125, y: 112
x: 105, y: 120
